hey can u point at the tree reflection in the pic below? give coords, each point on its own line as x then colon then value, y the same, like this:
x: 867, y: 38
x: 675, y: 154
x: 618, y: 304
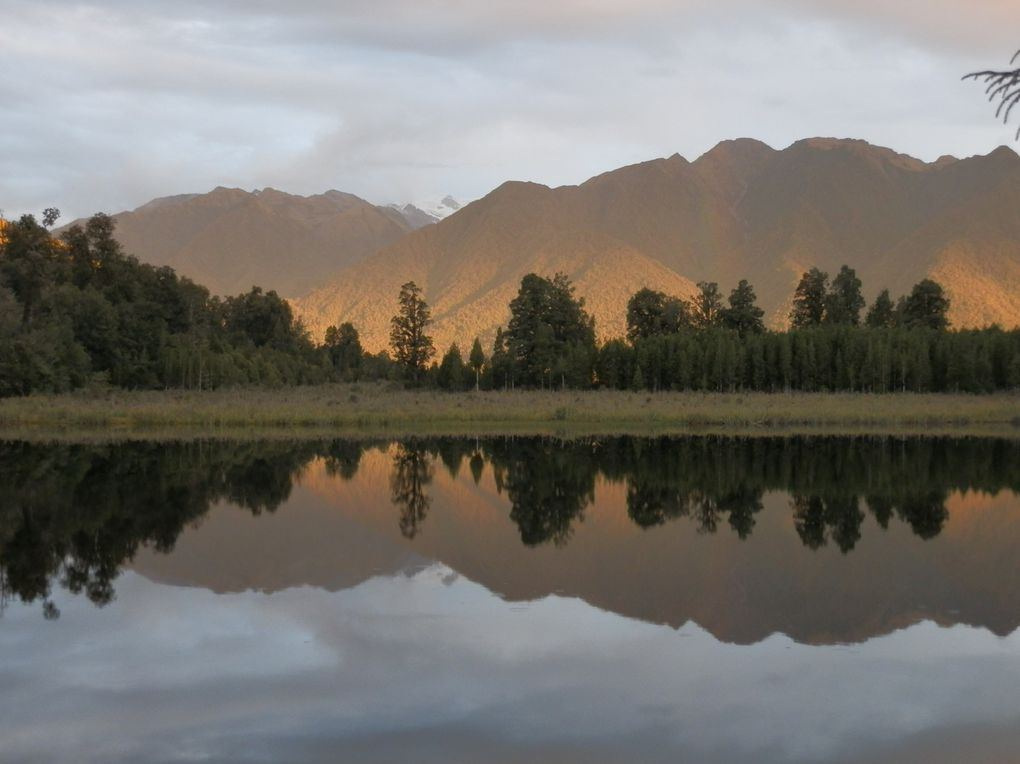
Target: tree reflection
x: 76, y: 514
x: 72, y: 515
x: 342, y: 458
x: 821, y: 518
x: 926, y: 513
x: 549, y: 483
x: 412, y: 472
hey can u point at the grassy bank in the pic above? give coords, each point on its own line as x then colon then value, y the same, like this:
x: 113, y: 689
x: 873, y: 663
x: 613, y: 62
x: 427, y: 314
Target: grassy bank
x: 383, y: 410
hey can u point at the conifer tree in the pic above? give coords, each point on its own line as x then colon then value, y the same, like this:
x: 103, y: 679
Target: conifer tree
x: 809, y: 299
x: 743, y: 314
x: 882, y: 313
x: 451, y: 369
x: 844, y: 303
x: 343, y: 346
x: 412, y: 346
x: 927, y: 306
x: 477, y: 360
x: 548, y: 325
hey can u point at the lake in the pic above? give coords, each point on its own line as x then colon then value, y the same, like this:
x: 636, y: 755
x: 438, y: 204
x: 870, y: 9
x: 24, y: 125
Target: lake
x: 515, y: 599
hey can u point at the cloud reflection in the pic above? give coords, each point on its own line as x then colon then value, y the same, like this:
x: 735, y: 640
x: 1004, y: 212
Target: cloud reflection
x: 430, y: 666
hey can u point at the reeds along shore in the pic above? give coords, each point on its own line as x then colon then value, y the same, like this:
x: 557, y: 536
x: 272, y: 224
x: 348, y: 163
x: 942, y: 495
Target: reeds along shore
x: 382, y: 408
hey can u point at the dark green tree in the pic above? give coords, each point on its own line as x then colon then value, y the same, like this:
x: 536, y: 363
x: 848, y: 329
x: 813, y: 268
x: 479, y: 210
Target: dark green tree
x: 502, y: 364
x: 452, y: 371
x: 809, y: 299
x: 412, y: 345
x: 264, y: 319
x: 343, y: 345
x: 27, y: 258
x: 927, y: 306
x: 651, y: 313
x: 743, y: 315
x: 476, y: 360
x: 882, y: 313
x: 550, y: 336
x: 844, y: 303
x: 707, y: 306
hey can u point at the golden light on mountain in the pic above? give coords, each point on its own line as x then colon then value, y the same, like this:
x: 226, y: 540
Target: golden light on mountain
x: 743, y: 210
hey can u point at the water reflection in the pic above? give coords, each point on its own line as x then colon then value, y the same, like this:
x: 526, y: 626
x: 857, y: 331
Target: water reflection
x: 73, y: 515
x: 457, y: 600
x: 412, y: 472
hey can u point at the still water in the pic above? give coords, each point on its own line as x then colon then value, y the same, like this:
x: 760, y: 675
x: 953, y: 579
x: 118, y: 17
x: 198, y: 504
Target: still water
x: 699, y: 599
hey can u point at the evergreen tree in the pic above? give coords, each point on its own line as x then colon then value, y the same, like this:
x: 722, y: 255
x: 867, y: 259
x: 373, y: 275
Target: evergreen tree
x: 264, y: 319
x: 451, y: 372
x: 809, y: 299
x: 882, y: 313
x: 613, y: 365
x: 27, y: 263
x: 412, y: 346
x: 927, y: 306
x: 477, y: 360
x: 844, y: 303
x: 651, y: 313
x: 547, y: 325
x: 343, y: 346
x: 502, y: 364
x: 743, y: 314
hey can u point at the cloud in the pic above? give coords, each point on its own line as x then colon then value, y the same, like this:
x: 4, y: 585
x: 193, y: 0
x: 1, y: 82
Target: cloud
x: 120, y: 101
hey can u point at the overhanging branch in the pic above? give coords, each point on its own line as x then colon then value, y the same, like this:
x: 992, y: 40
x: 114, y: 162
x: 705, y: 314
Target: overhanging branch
x: 1002, y: 86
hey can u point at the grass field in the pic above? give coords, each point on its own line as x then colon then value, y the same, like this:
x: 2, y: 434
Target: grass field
x: 384, y: 410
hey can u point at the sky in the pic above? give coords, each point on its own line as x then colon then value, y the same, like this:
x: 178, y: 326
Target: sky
x: 106, y: 105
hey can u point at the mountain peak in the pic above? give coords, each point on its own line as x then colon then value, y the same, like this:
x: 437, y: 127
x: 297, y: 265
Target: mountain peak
x: 1005, y: 152
x: 737, y: 148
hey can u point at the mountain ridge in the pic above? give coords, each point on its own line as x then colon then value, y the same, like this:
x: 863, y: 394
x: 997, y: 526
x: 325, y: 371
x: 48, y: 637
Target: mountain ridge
x: 229, y: 239
x: 741, y: 210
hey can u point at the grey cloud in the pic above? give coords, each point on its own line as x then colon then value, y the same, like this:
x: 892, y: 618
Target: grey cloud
x: 116, y: 102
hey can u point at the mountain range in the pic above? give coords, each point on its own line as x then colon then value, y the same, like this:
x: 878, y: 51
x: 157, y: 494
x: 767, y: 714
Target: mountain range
x: 742, y: 210
x: 230, y: 239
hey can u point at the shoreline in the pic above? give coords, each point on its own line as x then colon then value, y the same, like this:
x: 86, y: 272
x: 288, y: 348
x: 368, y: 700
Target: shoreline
x: 367, y: 410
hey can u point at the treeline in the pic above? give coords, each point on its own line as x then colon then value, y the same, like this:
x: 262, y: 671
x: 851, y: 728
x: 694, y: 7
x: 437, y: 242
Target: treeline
x: 711, y: 344
x: 75, y: 310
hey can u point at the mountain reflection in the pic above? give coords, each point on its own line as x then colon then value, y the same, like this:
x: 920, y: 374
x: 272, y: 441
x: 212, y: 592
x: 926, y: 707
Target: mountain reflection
x: 74, y: 514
